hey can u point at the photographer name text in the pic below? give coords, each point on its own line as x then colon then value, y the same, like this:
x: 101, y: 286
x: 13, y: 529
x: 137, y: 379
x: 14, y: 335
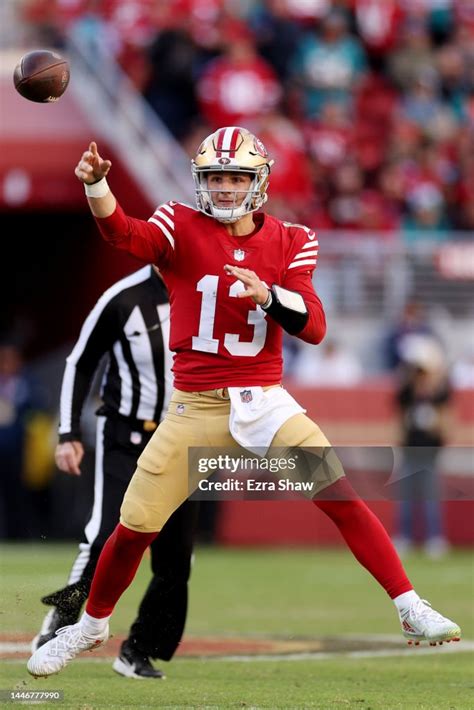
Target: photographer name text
x: 252, y: 485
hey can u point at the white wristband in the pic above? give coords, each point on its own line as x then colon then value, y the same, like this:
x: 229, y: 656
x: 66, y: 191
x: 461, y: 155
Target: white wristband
x: 98, y: 189
x: 268, y: 302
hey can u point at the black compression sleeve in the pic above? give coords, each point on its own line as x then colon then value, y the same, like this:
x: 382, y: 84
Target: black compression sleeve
x: 293, y: 321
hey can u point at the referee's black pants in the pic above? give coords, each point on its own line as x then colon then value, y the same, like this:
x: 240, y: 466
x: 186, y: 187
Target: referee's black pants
x: 158, y: 628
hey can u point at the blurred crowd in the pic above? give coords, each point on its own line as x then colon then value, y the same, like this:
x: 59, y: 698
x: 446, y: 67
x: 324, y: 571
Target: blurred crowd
x: 368, y: 105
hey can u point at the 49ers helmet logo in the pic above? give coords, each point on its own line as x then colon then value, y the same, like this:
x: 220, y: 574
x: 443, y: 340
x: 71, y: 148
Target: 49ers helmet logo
x: 259, y: 147
x: 223, y: 161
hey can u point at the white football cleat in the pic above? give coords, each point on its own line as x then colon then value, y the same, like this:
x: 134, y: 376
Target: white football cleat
x: 62, y: 648
x: 422, y: 623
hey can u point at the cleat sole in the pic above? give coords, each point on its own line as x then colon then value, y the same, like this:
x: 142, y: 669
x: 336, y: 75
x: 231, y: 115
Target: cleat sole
x: 436, y: 642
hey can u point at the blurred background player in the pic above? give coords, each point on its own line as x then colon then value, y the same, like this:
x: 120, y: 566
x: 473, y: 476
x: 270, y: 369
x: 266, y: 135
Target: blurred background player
x: 413, y: 321
x: 423, y: 399
x: 130, y: 326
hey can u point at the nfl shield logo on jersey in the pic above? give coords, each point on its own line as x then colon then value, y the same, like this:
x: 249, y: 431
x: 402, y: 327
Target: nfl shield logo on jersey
x: 246, y: 396
x: 239, y: 254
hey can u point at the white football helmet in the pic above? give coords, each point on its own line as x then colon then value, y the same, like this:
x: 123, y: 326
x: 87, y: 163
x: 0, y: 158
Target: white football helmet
x: 233, y: 149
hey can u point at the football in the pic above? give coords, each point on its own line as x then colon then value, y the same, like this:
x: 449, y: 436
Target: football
x: 41, y: 76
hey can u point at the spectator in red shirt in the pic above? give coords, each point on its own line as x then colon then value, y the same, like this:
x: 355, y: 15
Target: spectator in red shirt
x: 330, y: 135
x: 375, y: 104
x: 239, y: 86
x: 377, y: 24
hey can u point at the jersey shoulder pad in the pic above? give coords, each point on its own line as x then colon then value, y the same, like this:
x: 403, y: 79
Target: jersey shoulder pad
x: 304, y: 247
x: 164, y: 218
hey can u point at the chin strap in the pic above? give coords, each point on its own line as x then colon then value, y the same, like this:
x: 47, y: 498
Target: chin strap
x: 286, y: 308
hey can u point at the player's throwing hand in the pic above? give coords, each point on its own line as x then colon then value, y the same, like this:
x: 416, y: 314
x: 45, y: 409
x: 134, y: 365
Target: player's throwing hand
x: 91, y: 167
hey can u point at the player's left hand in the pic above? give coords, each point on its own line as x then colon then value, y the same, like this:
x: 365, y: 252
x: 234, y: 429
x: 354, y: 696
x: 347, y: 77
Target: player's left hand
x: 254, y: 288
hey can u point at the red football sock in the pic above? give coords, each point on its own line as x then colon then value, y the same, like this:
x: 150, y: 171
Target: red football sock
x: 365, y: 535
x: 116, y: 567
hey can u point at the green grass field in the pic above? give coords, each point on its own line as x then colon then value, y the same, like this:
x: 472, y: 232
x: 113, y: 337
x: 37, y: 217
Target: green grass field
x: 287, y: 594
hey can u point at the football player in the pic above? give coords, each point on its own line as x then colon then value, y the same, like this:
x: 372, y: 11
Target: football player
x: 237, y: 278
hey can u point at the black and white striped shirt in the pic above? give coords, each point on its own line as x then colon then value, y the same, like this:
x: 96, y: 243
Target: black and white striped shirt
x: 130, y: 325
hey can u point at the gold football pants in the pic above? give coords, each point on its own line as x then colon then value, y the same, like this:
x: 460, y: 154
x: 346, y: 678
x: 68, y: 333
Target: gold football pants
x: 200, y: 419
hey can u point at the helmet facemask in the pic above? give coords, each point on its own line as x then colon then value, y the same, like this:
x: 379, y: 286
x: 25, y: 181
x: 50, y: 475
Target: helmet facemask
x: 255, y: 195
x: 232, y: 150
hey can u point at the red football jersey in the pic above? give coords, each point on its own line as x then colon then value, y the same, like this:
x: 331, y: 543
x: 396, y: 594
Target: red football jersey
x: 221, y: 340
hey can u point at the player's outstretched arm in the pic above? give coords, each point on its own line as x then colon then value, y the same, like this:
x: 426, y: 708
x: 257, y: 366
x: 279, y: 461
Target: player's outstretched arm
x: 92, y: 171
x: 144, y: 240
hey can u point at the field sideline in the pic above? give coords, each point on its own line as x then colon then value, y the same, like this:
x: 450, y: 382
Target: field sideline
x: 266, y: 628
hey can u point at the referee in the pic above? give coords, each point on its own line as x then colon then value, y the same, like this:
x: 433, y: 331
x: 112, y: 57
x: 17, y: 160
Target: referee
x: 130, y: 325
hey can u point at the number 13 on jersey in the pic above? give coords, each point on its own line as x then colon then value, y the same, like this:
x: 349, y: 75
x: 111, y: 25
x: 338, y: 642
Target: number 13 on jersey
x: 205, y: 341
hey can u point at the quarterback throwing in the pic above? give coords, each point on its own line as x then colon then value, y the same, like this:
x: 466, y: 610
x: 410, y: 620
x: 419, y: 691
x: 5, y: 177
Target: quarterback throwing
x: 237, y: 278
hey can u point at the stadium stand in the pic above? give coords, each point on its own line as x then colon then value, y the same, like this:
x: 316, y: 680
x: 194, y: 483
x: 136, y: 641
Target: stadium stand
x: 380, y: 95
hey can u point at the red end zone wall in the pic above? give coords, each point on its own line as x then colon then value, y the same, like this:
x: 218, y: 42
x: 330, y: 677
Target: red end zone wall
x: 268, y: 523
x: 362, y: 416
